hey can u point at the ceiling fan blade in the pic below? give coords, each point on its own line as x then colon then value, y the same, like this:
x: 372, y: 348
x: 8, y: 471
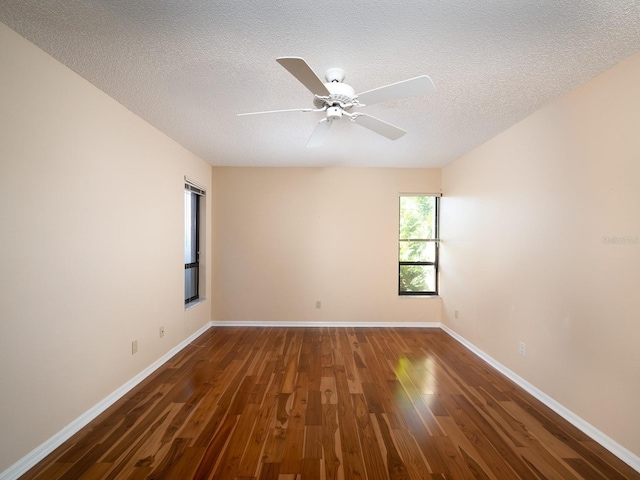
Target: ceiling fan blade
x: 278, y: 111
x: 299, y: 69
x: 406, y: 88
x: 319, y: 133
x: 379, y: 126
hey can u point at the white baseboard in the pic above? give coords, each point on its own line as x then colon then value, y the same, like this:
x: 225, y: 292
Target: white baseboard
x: 618, y: 450
x: 32, y: 458
x: 246, y: 323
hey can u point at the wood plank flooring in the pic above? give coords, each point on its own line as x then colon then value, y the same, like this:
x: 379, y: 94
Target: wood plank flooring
x: 329, y: 403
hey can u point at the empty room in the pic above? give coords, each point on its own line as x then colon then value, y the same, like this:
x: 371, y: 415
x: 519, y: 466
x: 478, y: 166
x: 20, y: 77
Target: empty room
x: 319, y: 240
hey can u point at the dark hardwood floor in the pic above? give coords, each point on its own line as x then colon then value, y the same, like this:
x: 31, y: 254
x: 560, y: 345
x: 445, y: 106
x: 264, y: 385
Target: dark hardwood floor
x: 329, y: 403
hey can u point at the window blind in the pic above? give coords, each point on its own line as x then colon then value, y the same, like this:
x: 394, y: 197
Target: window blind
x: 194, y: 187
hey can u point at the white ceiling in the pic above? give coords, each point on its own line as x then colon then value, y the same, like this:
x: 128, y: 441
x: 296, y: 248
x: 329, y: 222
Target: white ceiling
x: 189, y: 66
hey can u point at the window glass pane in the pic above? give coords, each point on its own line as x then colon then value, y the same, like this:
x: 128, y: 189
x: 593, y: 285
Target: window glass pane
x: 417, y: 217
x: 190, y: 227
x: 417, y: 251
x: 190, y: 283
x: 417, y: 278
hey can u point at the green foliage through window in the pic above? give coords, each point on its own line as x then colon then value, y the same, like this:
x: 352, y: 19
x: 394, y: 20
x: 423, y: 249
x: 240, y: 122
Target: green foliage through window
x: 418, y: 245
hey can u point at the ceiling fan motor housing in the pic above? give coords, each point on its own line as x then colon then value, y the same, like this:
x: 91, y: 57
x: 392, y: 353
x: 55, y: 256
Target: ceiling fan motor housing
x: 334, y: 75
x: 341, y: 94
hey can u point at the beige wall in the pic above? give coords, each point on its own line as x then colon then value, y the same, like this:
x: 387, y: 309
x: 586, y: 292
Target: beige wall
x: 288, y: 237
x: 525, y: 221
x: 91, y: 212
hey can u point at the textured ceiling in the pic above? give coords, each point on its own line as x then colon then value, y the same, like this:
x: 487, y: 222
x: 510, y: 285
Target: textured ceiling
x: 188, y: 67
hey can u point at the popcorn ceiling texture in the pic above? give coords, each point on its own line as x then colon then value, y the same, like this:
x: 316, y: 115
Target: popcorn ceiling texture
x: 188, y: 67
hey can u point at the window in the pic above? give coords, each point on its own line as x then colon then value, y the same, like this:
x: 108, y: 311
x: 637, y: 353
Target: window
x: 192, y: 198
x: 418, y: 245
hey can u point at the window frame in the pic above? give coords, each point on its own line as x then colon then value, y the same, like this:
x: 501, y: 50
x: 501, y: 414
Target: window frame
x: 436, y: 240
x: 198, y: 194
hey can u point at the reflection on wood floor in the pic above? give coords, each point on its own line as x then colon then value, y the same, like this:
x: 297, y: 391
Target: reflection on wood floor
x: 329, y: 403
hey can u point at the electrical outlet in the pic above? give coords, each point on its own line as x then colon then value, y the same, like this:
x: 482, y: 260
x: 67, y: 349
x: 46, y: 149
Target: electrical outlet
x: 522, y: 349
x: 161, y: 332
x: 318, y: 304
x: 455, y: 313
x: 134, y: 347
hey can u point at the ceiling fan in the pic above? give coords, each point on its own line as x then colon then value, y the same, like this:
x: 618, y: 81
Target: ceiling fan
x: 337, y: 99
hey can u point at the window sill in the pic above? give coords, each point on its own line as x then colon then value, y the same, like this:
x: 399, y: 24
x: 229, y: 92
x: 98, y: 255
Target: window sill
x: 189, y: 305
x: 419, y: 296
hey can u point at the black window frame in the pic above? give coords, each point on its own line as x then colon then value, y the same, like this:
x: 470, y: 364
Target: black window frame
x: 435, y: 240
x: 197, y: 196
